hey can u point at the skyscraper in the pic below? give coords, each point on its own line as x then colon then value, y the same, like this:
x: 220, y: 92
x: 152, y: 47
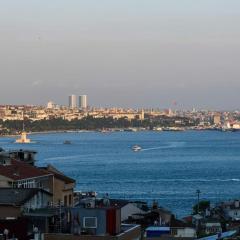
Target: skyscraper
x: 72, y: 101
x: 83, y: 101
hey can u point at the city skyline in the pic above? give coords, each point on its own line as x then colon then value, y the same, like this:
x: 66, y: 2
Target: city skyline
x: 128, y: 54
x: 73, y: 101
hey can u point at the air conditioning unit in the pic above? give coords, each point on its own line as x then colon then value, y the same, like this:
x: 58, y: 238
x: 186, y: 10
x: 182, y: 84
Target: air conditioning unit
x: 90, y: 204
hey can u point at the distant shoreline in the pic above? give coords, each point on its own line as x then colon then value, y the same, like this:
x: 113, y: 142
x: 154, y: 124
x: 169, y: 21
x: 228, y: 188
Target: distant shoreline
x: 47, y: 132
x: 103, y: 131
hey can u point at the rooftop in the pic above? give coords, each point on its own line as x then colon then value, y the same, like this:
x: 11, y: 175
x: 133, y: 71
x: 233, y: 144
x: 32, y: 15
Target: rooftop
x: 18, y: 170
x: 57, y: 174
x: 158, y: 228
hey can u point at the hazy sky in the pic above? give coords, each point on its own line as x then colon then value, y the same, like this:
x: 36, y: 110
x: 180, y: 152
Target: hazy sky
x: 138, y: 53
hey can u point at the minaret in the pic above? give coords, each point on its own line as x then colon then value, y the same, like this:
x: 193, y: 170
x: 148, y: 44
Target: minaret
x: 142, y: 114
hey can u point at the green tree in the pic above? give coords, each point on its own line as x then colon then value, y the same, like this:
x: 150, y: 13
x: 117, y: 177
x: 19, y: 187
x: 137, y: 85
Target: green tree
x: 203, y: 205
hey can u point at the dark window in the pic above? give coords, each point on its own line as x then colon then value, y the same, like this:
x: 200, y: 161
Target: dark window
x: 90, y: 222
x: 65, y: 200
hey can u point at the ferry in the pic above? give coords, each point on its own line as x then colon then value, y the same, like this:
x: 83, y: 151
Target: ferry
x: 136, y: 148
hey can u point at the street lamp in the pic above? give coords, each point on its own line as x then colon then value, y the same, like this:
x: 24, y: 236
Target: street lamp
x: 6, y: 232
x: 198, y: 196
x: 36, y: 233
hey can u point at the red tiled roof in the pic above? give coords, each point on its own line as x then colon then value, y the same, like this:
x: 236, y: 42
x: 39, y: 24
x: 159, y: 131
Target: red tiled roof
x: 175, y: 223
x: 18, y: 170
x: 188, y: 219
x: 57, y: 174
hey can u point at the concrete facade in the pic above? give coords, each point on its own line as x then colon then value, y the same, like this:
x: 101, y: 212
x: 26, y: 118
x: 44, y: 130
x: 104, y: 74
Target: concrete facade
x: 62, y: 192
x: 128, y: 210
x: 10, y: 212
x: 186, y: 232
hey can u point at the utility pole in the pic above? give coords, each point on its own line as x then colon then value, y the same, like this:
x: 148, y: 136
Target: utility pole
x: 60, y: 217
x: 198, y: 197
x: 198, y: 221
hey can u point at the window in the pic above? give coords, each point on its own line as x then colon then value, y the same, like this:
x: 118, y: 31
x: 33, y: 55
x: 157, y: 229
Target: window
x: 90, y: 222
x: 65, y: 201
x: 70, y: 200
x: 40, y: 185
x: 69, y: 217
x: 174, y: 231
x: 26, y: 184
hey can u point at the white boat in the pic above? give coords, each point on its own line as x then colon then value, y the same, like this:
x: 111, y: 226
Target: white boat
x: 23, y: 138
x: 136, y: 148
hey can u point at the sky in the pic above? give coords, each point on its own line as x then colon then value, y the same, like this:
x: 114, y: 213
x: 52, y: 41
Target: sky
x: 124, y: 53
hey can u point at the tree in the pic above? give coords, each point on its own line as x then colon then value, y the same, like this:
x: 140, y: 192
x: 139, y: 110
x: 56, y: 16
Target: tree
x: 203, y: 205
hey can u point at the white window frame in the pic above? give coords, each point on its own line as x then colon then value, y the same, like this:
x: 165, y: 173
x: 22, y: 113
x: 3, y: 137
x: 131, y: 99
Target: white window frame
x: 84, y: 222
x: 26, y: 184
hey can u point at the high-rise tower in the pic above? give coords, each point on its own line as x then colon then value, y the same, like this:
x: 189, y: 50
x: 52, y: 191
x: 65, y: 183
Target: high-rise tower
x: 72, y: 101
x: 83, y: 101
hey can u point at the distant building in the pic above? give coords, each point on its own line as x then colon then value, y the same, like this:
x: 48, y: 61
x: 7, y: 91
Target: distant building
x: 217, y: 119
x: 72, y: 101
x: 212, y: 227
x: 231, y: 210
x: 50, y: 105
x: 83, y: 101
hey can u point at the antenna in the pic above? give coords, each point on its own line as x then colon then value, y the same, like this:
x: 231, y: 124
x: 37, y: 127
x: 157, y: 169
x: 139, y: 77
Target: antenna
x: 198, y: 196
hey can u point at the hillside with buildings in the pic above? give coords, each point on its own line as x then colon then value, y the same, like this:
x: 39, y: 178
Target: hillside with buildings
x: 60, y: 118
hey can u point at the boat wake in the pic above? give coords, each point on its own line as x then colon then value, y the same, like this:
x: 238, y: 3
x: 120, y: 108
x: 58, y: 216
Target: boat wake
x: 74, y: 157
x: 170, y: 145
x: 153, y: 148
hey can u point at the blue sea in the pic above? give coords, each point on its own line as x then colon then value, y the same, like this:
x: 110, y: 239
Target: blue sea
x: 171, y: 167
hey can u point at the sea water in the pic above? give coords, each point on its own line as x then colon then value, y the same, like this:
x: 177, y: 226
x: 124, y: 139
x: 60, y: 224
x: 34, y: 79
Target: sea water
x: 169, y: 169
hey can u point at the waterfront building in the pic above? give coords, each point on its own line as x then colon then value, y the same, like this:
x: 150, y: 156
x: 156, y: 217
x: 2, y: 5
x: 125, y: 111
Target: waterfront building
x: 83, y: 101
x: 217, y: 119
x: 72, y: 101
